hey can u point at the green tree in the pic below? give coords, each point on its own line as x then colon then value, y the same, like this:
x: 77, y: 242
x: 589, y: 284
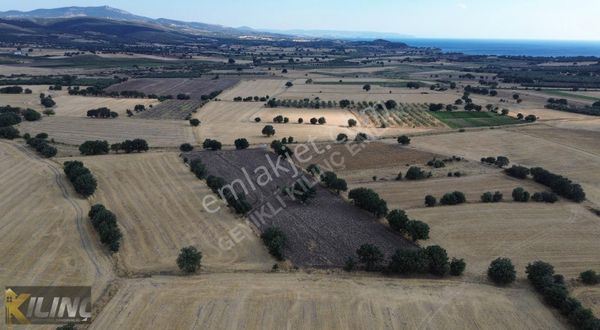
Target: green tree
x: 438, y: 260
x: 417, y: 230
x: 457, y: 267
x: 370, y: 256
x: 351, y: 122
x: 275, y: 240
x: 404, y: 140
x: 185, y: 147
x: 194, y: 122
x: 502, y: 271
x: 409, y: 261
x: 268, y: 130
x: 589, y: 277
x: 241, y: 144
x: 430, y: 201
x: 397, y: 219
x: 189, y: 259
x: 520, y: 195
x: 367, y: 87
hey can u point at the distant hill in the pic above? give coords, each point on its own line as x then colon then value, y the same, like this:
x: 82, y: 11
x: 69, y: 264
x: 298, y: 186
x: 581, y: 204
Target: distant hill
x: 69, y: 12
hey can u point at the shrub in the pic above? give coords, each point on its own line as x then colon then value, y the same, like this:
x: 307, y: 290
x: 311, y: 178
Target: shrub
x: 257, y: 119
x: 547, y: 197
x: 502, y: 271
x: 31, y: 115
x: 213, y: 145
x: 194, y: 122
x: 453, y: 198
x: 241, y: 144
x: 430, y: 201
x: 457, y: 267
x: 417, y: 230
x: 397, y: 219
x: 404, y: 140
x: 497, y: 197
x: 368, y: 200
x: 189, y: 259
x: 487, y: 197
x: 361, y: 137
x: 275, y: 240
x: 370, y: 256
x: 268, y: 130
x: 589, y: 277
x: 89, y: 148
x: 322, y: 121
x: 186, y: 147
x: 415, y: 173
x: 351, y: 122
x: 409, y: 261
x: 438, y: 260
x: 342, y: 138
x: 9, y: 133
x: 9, y: 119
x: 519, y: 172
x: 520, y: 195
x: 199, y: 169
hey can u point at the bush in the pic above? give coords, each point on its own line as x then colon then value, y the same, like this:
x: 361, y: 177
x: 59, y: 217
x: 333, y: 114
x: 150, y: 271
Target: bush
x: 502, y: 271
x: 342, y: 138
x: 368, y: 200
x: 409, y: 261
x: 275, y: 240
x: 397, y: 219
x: 199, y: 169
x: 195, y: 122
x: 438, y: 260
x: 404, y: 140
x: 351, y: 122
x: 9, y: 119
x: 268, y: 130
x: 417, y: 230
x: 415, y: 173
x: 546, y: 197
x: 241, y: 144
x: 430, y: 201
x: 189, y: 259
x: 9, y: 133
x: 487, y: 197
x: 453, y: 198
x: 519, y: 172
x: 361, y: 137
x: 370, y: 256
x: 186, y: 147
x: 31, y: 115
x: 589, y: 277
x: 213, y: 145
x: 457, y: 267
x: 257, y: 119
x: 89, y: 148
x: 520, y: 195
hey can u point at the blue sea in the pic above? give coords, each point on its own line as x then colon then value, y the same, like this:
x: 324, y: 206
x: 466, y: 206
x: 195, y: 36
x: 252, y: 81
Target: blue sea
x: 510, y: 47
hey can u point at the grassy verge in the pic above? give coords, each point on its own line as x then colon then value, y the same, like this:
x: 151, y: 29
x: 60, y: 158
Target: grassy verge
x: 462, y: 119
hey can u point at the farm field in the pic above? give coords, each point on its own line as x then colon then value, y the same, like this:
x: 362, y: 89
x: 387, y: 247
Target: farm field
x: 195, y: 87
x: 159, y: 206
x: 411, y: 194
x: 521, y: 148
x: 564, y: 234
x: 589, y: 297
x: 45, y: 237
x: 171, y: 109
x: 462, y: 119
x: 256, y: 87
x: 315, y: 238
x: 72, y: 130
x: 278, y: 301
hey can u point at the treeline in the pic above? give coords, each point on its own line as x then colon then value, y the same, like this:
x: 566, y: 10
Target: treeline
x: 554, y: 290
x: 65, y: 80
x: 559, y: 184
x: 10, y: 116
x: 251, y: 99
x: 563, y: 105
x: 98, y: 147
x: 80, y: 176
x: 305, y: 103
x: 105, y: 223
x: 14, y: 90
x: 41, y: 145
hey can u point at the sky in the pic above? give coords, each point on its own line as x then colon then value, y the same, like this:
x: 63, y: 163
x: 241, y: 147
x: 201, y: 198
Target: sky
x: 466, y: 19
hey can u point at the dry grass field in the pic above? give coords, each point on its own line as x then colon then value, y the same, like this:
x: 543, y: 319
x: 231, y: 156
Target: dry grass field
x: 171, y: 109
x: 411, y: 194
x: 158, y: 203
x: 589, y: 297
x: 44, y: 233
x: 564, y: 234
x: 575, y: 161
x: 72, y: 130
x: 299, y: 301
x: 257, y: 87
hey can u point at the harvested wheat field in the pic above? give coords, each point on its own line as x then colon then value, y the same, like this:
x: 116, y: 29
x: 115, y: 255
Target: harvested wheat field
x: 44, y: 233
x: 564, y: 234
x: 299, y: 301
x: 194, y: 87
x: 72, y: 130
x: 159, y: 206
x: 411, y: 194
x: 589, y: 297
x: 256, y: 87
x: 521, y: 148
x: 77, y: 106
